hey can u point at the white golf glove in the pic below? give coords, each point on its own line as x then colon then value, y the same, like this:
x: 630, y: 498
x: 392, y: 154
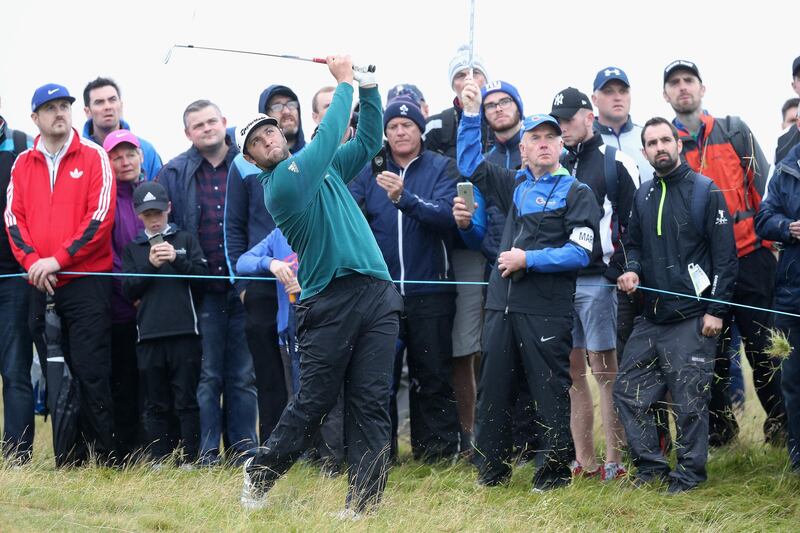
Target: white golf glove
x: 364, y: 77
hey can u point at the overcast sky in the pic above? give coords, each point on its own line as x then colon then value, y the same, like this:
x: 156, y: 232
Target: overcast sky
x: 744, y: 52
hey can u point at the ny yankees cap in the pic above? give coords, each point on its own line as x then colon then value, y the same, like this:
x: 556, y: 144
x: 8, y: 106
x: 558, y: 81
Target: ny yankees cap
x: 118, y: 137
x: 48, y: 93
x: 608, y: 74
x: 150, y: 195
x: 681, y: 64
x: 244, y: 132
x: 567, y: 102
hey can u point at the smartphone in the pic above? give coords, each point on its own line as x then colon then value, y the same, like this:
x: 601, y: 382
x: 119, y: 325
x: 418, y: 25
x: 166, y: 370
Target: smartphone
x: 464, y: 190
x: 379, y: 162
x: 156, y: 239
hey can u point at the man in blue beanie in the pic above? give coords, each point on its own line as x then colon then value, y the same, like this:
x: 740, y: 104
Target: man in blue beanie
x: 409, y: 209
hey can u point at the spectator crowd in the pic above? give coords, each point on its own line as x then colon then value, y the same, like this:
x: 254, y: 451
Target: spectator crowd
x: 529, y: 251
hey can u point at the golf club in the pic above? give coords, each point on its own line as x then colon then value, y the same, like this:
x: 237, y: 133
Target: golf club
x: 368, y: 68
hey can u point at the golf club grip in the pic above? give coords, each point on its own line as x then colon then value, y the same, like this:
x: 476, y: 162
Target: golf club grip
x: 368, y: 68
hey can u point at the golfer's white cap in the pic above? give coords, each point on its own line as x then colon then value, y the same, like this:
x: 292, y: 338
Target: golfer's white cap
x: 243, y: 132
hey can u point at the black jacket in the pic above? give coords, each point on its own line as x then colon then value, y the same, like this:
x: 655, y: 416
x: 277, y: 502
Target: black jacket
x: 661, y: 260
x: 11, y: 145
x: 586, y: 161
x: 780, y: 208
x: 167, y: 306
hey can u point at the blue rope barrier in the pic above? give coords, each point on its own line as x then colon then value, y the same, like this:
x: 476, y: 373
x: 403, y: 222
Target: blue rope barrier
x: 410, y: 282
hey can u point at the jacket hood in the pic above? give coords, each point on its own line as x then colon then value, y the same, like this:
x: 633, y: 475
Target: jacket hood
x: 142, y: 237
x: 88, y: 128
x: 273, y: 90
x: 791, y: 163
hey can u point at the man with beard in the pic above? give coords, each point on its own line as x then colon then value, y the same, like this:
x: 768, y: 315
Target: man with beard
x: 281, y: 103
x: 348, y: 311
x: 725, y: 150
x: 672, y: 346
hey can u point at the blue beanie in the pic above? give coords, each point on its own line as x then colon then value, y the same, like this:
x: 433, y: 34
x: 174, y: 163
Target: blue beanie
x: 502, y: 86
x: 404, y: 107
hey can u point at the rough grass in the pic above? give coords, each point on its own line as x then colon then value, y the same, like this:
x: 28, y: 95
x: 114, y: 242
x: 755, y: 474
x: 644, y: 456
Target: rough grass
x: 750, y: 488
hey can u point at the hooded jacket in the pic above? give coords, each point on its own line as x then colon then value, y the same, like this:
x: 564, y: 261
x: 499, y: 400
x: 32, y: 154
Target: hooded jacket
x: 274, y: 90
x: 788, y: 140
x: 663, y: 241
x: 152, y: 161
x: 586, y: 161
x: 73, y: 221
x: 780, y: 208
x: 553, y: 218
x: 167, y: 305
x: 415, y: 234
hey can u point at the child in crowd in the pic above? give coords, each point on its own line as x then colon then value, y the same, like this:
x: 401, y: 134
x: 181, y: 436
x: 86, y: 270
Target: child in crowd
x: 168, y: 350
x: 274, y: 255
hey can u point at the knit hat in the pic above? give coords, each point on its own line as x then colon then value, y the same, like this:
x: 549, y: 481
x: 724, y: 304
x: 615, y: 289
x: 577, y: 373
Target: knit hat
x: 461, y: 61
x: 505, y: 87
x: 407, y: 90
x: 406, y: 108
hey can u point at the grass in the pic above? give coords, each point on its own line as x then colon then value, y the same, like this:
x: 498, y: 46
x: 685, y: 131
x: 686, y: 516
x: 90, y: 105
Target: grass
x: 750, y: 488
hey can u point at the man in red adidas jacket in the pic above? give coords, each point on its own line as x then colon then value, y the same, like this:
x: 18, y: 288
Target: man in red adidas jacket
x: 725, y: 150
x: 59, y: 216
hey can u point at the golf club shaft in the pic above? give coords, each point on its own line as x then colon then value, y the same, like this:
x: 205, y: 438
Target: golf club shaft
x: 368, y: 68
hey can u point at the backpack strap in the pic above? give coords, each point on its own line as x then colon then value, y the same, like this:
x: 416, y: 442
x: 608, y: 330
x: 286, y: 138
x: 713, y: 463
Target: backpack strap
x: 700, y: 194
x: 20, y: 141
x: 449, y: 127
x: 612, y: 187
x: 732, y: 128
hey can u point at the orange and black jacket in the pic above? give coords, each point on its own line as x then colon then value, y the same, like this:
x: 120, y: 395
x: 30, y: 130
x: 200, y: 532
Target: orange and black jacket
x: 726, y: 151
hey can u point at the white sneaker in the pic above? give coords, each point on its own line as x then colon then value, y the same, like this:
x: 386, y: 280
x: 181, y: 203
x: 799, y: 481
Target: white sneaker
x: 348, y: 515
x: 253, y: 498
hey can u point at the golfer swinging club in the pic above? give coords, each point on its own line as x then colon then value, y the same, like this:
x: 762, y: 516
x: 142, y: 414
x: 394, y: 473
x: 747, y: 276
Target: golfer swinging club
x: 348, y: 312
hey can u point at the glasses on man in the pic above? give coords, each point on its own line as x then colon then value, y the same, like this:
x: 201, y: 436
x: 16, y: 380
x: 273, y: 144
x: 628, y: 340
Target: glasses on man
x: 503, y: 103
x: 291, y: 105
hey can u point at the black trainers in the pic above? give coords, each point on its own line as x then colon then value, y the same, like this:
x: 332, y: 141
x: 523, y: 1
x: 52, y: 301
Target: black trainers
x: 546, y: 485
x: 678, y: 487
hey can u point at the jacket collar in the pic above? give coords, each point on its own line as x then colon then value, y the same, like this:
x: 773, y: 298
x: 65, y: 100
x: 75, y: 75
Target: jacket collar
x: 142, y: 237
x: 550, y: 176
x: 677, y: 173
x: 608, y: 130
x: 595, y: 141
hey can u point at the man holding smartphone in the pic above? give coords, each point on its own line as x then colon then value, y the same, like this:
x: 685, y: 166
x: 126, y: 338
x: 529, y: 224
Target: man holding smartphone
x: 408, y: 206
x: 548, y: 236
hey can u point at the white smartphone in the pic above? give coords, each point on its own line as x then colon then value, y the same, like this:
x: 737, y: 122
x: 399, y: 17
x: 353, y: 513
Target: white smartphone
x: 464, y: 191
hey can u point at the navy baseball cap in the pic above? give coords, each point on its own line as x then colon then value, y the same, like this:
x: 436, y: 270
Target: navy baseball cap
x: 534, y: 121
x: 408, y: 90
x: 681, y: 64
x: 48, y: 93
x: 608, y: 74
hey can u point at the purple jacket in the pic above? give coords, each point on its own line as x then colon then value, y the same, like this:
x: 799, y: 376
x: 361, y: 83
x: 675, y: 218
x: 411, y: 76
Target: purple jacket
x: 126, y: 226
